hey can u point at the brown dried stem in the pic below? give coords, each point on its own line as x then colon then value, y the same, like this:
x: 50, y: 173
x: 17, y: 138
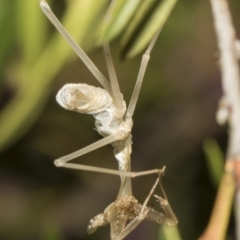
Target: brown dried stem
x: 226, y: 39
x: 218, y: 222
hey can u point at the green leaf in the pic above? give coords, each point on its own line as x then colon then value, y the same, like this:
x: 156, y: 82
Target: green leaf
x: 150, y: 17
x: 35, y: 83
x: 139, y: 18
x: 116, y: 19
x: 52, y: 233
x: 215, y: 160
x: 169, y: 233
x: 7, y: 30
x: 31, y: 29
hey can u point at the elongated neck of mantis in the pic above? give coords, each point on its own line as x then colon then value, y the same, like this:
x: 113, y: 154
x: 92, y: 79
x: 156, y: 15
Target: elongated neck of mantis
x: 126, y: 184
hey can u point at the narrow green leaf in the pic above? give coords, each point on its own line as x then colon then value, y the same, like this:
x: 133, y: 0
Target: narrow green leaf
x: 23, y: 110
x: 52, y: 233
x: 116, y: 19
x: 138, y: 20
x: 7, y: 30
x: 135, y: 41
x: 31, y: 29
x: 215, y: 160
x: 169, y: 233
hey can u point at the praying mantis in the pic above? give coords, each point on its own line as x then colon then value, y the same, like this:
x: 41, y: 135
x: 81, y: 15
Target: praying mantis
x: 113, y: 120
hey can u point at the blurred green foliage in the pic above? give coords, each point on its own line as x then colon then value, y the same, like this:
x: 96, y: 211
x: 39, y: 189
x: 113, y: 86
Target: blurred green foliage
x: 31, y: 73
x: 7, y: 30
x: 141, y: 29
x: 169, y: 233
x: 175, y: 114
x: 52, y: 233
x: 32, y: 53
x: 215, y: 160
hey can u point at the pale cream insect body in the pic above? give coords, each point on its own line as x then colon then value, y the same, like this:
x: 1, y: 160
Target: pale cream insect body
x: 113, y: 120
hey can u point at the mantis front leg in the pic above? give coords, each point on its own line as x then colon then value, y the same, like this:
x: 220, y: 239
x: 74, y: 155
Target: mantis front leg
x: 110, y: 171
x: 169, y: 217
x: 61, y: 162
x: 77, y: 49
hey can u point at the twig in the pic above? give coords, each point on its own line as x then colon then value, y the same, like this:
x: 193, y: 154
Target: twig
x: 230, y: 71
x: 226, y: 39
x: 218, y: 223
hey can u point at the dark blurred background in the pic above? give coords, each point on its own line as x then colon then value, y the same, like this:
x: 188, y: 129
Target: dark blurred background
x: 174, y: 116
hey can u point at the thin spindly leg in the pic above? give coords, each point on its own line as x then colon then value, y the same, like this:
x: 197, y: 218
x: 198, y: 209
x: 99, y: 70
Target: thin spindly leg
x: 116, y: 93
x: 107, y: 170
x: 142, y: 215
x: 144, y: 63
x: 91, y: 66
x: 171, y: 219
x: 151, y: 192
x: 105, y: 141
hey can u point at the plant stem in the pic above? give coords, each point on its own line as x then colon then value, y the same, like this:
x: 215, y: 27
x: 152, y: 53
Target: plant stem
x: 226, y: 39
x: 217, y: 226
